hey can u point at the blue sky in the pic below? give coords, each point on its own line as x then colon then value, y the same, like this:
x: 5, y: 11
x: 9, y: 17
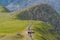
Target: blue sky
x: 6, y: 2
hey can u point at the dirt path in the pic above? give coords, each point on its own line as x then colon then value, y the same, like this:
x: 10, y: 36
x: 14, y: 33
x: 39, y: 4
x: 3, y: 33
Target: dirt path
x: 29, y: 31
x: 7, y: 38
x: 28, y: 36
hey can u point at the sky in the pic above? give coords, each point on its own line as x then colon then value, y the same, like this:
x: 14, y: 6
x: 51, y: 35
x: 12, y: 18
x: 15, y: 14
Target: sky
x: 5, y: 2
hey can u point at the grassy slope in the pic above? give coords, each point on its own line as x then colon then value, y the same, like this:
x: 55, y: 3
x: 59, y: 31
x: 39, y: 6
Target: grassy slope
x: 13, y: 26
x: 7, y: 22
x: 3, y: 9
x: 44, y: 31
x: 9, y: 25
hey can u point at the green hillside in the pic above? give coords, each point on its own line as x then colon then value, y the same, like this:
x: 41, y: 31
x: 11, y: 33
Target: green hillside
x: 42, y: 12
x: 10, y: 27
x: 3, y: 9
x: 48, y: 29
x: 13, y: 28
x: 44, y: 31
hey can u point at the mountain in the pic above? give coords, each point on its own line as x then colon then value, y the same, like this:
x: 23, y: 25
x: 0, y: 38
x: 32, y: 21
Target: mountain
x: 42, y: 12
x: 15, y: 25
x: 17, y: 5
x: 3, y: 9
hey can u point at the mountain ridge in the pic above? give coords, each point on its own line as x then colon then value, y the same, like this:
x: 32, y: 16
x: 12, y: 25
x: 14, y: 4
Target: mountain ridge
x: 3, y: 9
x: 43, y: 12
x: 13, y: 26
x: 26, y: 3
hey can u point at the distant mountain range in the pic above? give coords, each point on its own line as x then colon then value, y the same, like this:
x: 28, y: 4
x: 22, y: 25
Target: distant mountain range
x: 3, y: 9
x: 16, y: 5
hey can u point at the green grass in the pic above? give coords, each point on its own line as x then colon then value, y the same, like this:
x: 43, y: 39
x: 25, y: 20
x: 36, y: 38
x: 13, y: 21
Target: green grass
x: 10, y: 25
x: 13, y: 26
x: 44, y: 31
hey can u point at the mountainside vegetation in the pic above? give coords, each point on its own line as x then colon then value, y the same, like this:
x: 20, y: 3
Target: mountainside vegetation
x: 45, y: 31
x: 13, y: 26
x: 47, y: 14
x: 43, y: 12
x: 3, y: 9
